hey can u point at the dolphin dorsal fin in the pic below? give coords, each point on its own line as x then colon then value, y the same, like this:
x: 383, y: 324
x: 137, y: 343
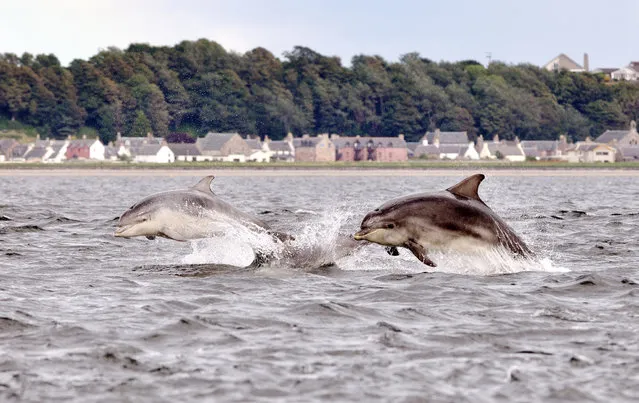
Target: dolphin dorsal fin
x: 204, y: 185
x: 468, y: 187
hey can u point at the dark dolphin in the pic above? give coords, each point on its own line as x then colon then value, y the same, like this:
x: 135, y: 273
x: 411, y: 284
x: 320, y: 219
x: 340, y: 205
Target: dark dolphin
x: 455, y: 219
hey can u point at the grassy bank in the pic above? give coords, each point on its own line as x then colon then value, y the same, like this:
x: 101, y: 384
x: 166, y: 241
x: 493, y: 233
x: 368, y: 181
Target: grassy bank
x: 324, y: 165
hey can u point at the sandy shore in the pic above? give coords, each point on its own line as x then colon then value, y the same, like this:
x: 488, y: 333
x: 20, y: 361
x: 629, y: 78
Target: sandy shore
x: 319, y: 172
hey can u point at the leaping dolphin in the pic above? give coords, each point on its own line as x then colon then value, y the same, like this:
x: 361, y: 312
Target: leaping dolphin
x: 455, y: 219
x: 183, y: 215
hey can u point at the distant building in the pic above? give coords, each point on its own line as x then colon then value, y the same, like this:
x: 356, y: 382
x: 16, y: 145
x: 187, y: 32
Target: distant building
x: 364, y: 148
x: 260, y: 151
x: 156, y: 153
x: 620, y: 138
x: 230, y: 147
x: 589, y: 151
x: 628, y: 73
x: 606, y: 72
x: 563, y: 62
x: 630, y: 153
x: 500, y: 149
x: 314, y: 149
x: 6, y: 148
x: 85, y: 149
x: 282, y: 150
x: 545, y: 149
x: 446, y: 145
x: 188, y: 152
x: 124, y: 145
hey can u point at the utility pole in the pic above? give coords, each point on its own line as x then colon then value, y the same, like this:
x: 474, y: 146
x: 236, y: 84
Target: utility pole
x: 489, y: 56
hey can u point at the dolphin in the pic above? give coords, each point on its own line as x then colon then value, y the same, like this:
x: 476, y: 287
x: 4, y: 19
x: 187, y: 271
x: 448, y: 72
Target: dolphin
x: 183, y: 215
x: 455, y: 219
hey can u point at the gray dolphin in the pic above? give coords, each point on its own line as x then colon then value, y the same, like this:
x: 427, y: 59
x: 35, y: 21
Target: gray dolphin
x: 183, y: 215
x: 455, y: 219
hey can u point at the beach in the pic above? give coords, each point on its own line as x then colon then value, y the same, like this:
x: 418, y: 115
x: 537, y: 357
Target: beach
x: 300, y: 172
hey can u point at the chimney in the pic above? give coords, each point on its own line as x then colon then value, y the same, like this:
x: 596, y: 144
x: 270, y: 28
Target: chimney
x: 480, y: 143
x: 149, y: 135
x: 586, y: 63
x: 633, y: 126
x: 516, y: 139
x: 588, y: 139
x: 84, y: 137
x: 496, y: 138
x: 267, y: 139
x: 401, y: 136
x: 334, y: 136
x: 289, y: 137
x: 118, y: 136
x: 305, y: 136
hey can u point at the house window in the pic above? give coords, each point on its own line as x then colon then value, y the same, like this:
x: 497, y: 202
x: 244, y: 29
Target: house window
x: 602, y: 153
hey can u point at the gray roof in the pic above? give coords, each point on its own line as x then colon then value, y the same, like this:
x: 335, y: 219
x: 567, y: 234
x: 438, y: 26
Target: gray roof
x: 412, y: 145
x: 453, y: 149
x: 19, y: 150
x: 146, y: 149
x: 532, y: 151
x: 184, y: 149
x: 138, y: 141
x: 504, y: 149
x: 306, y: 142
x: 610, y: 135
x: 110, y: 151
x: 278, y: 145
x: 426, y: 150
x: 605, y: 70
x: 36, y: 152
x: 630, y: 153
x: 254, y: 144
x: 448, y: 137
x: 81, y: 142
x: 214, y: 141
x: 540, y: 145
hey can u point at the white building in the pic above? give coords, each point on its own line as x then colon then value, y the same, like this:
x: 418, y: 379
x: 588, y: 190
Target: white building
x: 625, y: 74
x: 156, y: 153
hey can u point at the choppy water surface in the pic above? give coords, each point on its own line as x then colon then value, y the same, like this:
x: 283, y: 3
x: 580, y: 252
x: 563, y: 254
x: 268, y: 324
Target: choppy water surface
x: 88, y: 317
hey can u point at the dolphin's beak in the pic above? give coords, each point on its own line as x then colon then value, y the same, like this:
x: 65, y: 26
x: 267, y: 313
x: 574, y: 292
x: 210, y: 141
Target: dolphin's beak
x: 119, y: 231
x: 363, y: 234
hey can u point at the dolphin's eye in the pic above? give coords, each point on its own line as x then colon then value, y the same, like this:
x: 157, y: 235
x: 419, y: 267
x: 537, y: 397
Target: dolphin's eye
x: 376, y: 209
x: 390, y: 226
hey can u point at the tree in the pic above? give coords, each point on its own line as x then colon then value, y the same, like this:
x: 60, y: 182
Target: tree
x: 141, y: 126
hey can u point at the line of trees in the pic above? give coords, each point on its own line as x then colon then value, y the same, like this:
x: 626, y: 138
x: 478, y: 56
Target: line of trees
x: 200, y: 87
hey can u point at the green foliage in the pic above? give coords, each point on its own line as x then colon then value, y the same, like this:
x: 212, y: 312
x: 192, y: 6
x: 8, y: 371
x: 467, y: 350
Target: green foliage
x: 197, y: 86
x: 499, y: 155
x: 141, y: 126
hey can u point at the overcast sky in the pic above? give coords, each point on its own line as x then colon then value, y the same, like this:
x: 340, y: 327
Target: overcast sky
x: 514, y: 31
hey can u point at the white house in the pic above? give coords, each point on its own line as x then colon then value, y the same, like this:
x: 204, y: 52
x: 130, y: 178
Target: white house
x: 496, y: 149
x: 625, y: 74
x: 156, y: 153
x: 188, y: 152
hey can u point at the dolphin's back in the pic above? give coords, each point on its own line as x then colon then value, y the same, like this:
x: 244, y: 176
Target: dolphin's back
x: 196, y: 203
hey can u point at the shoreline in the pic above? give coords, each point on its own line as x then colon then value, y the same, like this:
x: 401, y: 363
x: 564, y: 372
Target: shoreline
x: 327, y: 172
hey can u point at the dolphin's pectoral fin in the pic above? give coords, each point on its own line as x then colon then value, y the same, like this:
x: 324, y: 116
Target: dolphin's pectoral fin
x: 419, y: 252
x: 150, y: 237
x: 392, y: 250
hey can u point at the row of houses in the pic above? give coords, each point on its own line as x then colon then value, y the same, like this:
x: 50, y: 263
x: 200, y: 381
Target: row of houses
x: 611, y: 146
x: 630, y: 72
